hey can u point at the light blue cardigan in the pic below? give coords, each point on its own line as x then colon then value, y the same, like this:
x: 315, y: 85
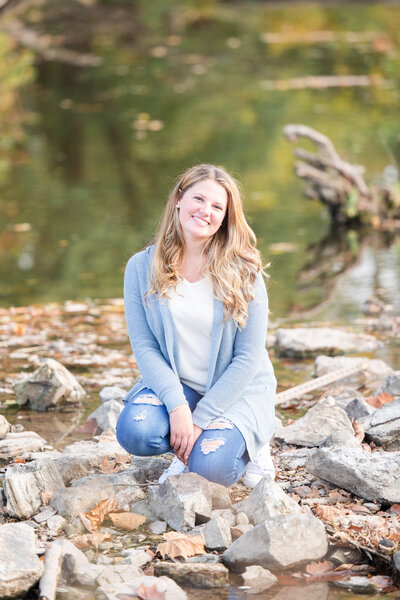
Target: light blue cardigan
x: 241, y: 382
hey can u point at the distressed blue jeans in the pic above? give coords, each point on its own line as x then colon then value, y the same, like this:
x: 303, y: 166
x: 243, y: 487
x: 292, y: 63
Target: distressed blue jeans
x: 219, y: 454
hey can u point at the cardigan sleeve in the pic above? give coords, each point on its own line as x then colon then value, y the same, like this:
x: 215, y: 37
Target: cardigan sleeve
x: 155, y: 370
x: 248, y: 354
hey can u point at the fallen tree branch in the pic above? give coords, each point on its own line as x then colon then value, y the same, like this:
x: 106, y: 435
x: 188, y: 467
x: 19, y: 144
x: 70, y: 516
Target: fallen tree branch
x: 52, y: 570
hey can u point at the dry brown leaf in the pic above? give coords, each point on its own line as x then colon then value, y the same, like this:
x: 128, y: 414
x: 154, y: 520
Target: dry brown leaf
x: 97, y: 515
x: 318, y: 568
x: 178, y: 544
x: 45, y: 496
x: 380, y: 400
x: 149, y: 592
x: 127, y: 520
x: 90, y: 540
x: 328, y: 513
x: 20, y: 461
x: 358, y: 430
x: 119, y: 463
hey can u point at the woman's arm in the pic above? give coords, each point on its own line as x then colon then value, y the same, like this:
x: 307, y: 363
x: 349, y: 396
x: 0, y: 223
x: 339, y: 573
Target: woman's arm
x: 248, y: 352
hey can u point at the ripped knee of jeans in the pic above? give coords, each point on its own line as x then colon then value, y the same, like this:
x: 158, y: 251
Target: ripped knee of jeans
x: 147, y: 398
x: 221, y: 423
x: 211, y: 445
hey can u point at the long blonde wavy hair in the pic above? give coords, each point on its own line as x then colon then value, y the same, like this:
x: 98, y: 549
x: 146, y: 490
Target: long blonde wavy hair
x: 232, y: 259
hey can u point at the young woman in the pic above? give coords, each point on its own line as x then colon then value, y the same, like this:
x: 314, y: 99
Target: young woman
x: 196, y: 309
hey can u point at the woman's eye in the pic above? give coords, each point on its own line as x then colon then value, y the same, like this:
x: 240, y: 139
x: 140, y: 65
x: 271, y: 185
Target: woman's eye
x: 218, y: 207
x: 198, y: 198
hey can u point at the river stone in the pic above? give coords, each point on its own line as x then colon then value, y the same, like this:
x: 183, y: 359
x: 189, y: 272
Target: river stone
x: 16, y: 444
x: 304, y: 342
x: 25, y: 483
x: 112, y: 393
x: 279, y: 543
x: 373, y: 373
x: 266, y: 500
x: 166, y: 588
x: 181, y: 500
x: 391, y: 385
x: 69, y: 502
x: 114, y: 574
x: 373, y: 476
x: 202, y: 575
x: 317, y: 424
x: 341, y: 438
x: 4, y: 426
x: 20, y: 567
x: 258, y: 579
x: 124, y: 483
x: 383, y: 425
x: 50, y: 385
x: 358, y: 408
x: 91, y: 453
x: 216, y: 534
x: 220, y: 497
x: 72, y: 562
x: 106, y: 415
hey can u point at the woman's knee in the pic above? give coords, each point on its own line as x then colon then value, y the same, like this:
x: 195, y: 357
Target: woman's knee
x: 140, y: 432
x: 210, y: 461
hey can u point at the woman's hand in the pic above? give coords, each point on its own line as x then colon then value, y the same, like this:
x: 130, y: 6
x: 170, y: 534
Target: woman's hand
x: 181, y: 432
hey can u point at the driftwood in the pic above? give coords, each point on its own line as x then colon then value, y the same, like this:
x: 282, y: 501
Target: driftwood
x: 52, y: 572
x: 341, y: 186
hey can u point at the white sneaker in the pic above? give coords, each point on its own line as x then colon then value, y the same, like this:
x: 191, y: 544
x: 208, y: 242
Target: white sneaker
x: 259, y: 468
x: 175, y: 468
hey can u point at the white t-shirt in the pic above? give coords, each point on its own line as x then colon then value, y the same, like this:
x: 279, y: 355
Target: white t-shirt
x: 193, y: 311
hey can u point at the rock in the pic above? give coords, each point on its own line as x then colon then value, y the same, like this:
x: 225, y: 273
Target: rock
x: 106, y: 415
x: 359, y: 584
x: 373, y: 373
x: 182, y: 500
x: 194, y: 574
x: 242, y: 518
x: 342, y: 556
x: 142, y: 507
x: 203, y: 558
x: 293, y: 459
x: 91, y: 454
x: 311, y: 591
x: 279, y: 543
x: 125, y: 486
x: 15, y: 444
x: 164, y: 585
x: 373, y: 476
x: 20, y: 567
x: 383, y: 425
x: 358, y: 408
x: 45, y: 514
x: 158, y: 527
x: 75, y: 527
x: 4, y: 426
x: 69, y: 502
x: 50, y: 385
x: 220, y: 497
x: 112, y: 393
x: 70, y: 469
x: 135, y: 557
x: 304, y: 342
x: 267, y: 500
x: 317, y: 424
x: 73, y: 561
x: 150, y: 467
x: 25, y: 483
x: 239, y: 530
x: 396, y: 563
x: 258, y: 579
x: 341, y: 438
x: 216, y: 534
x: 87, y: 575
x: 56, y: 523
x: 343, y: 395
x: 226, y: 514
x: 114, y: 574
x: 391, y: 385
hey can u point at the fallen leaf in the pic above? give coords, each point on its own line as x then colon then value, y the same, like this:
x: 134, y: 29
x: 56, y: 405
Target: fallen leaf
x: 20, y: 461
x: 328, y: 513
x: 382, y: 581
x: 97, y: 515
x: 358, y: 430
x: 149, y: 593
x: 178, y: 544
x: 319, y: 568
x: 119, y: 463
x: 380, y: 400
x: 90, y: 540
x: 127, y: 520
x: 45, y: 496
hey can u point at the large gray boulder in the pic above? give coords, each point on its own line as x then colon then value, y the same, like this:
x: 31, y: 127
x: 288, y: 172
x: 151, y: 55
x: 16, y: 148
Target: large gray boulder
x: 279, y: 543
x: 50, y: 385
x: 318, y: 423
x: 69, y: 502
x: 182, y: 501
x: 24, y: 485
x: 373, y: 476
x: 383, y: 425
x: 304, y: 342
x: 20, y: 567
x: 372, y: 374
x: 90, y: 454
x: 267, y: 500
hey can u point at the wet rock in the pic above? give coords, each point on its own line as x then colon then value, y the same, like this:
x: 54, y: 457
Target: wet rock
x: 50, y: 385
x: 194, y: 574
x: 220, y: 497
x: 358, y: 585
x: 258, y: 579
x: 20, y: 567
x: 343, y: 556
x: 112, y: 393
x: 311, y: 591
x: 4, y: 426
x: 226, y: 514
x: 383, y: 425
x: 164, y: 585
x: 182, y: 500
x: 16, y: 444
x: 69, y: 502
x: 56, y: 524
x: 341, y: 438
x: 106, y: 415
x: 25, y: 483
x: 158, y: 527
x: 391, y: 385
x: 373, y: 476
x: 216, y: 534
x: 317, y: 424
x: 267, y: 500
x: 279, y: 543
x: 304, y: 342
x: 373, y: 373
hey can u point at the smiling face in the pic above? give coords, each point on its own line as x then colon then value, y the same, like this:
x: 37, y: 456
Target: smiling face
x: 202, y: 209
